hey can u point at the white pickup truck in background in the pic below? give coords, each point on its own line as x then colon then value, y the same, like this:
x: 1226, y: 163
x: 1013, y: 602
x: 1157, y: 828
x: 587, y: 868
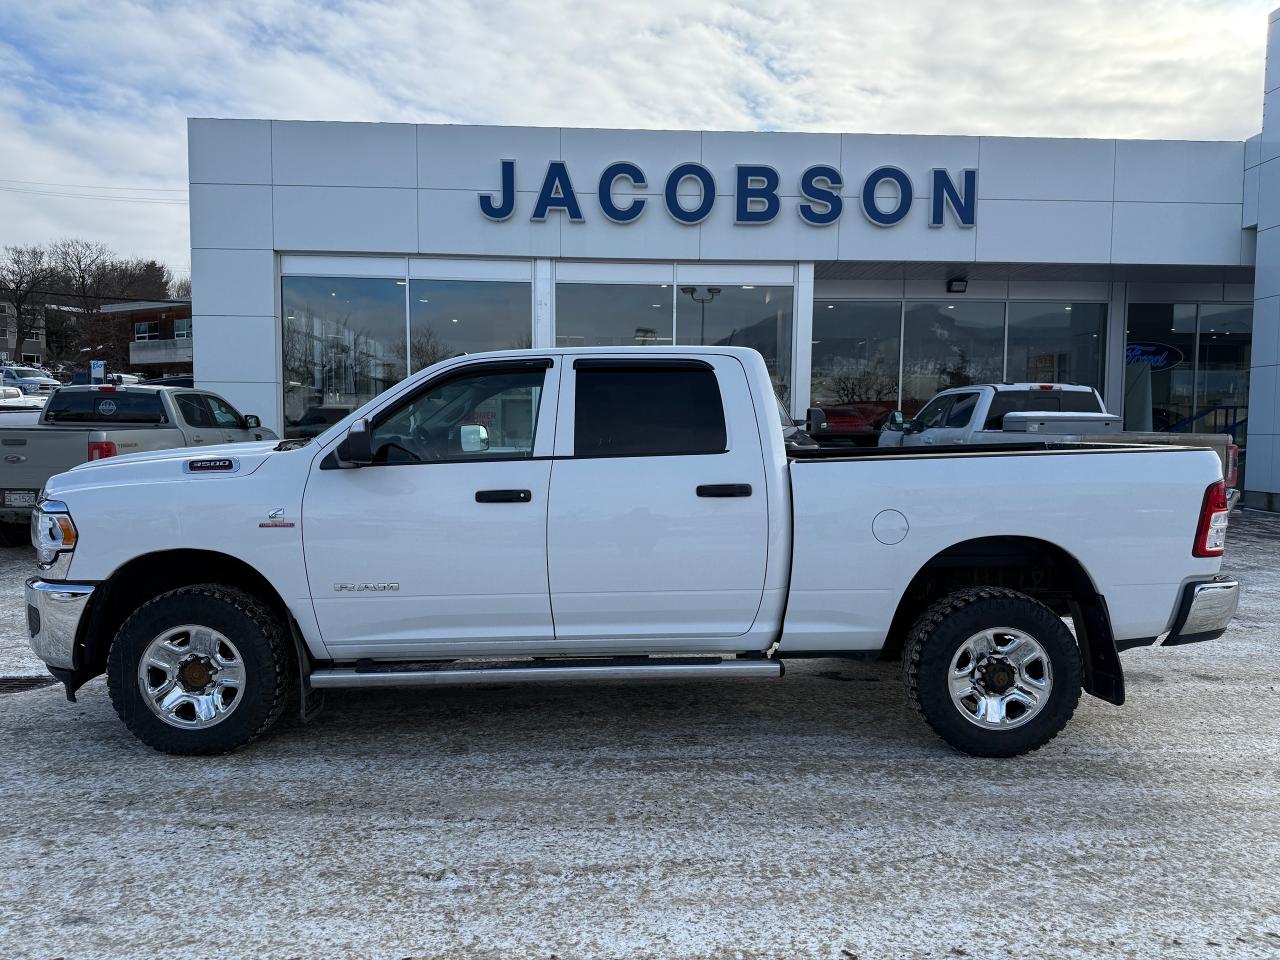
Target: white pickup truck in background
x: 82, y: 423
x: 607, y: 513
x: 991, y: 413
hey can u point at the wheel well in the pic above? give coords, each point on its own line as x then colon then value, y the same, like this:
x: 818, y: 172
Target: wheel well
x: 150, y: 575
x: 1038, y: 568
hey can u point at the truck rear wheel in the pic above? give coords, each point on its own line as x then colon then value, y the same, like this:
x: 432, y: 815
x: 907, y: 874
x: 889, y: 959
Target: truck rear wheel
x: 994, y: 672
x: 200, y: 670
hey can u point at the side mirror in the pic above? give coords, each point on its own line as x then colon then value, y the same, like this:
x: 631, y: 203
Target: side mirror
x: 359, y: 444
x: 815, y: 419
x: 252, y: 422
x: 896, y: 422
x: 473, y: 437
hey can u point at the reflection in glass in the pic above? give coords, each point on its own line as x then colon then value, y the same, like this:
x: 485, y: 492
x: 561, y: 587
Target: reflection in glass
x: 343, y: 344
x: 950, y: 345
x: 448, y: 318
x: 1056, y: 343
x: 1222, y: 370
x: 1160, y: 354
x: 613, y: 314
x: 740, y: 316
x: 855, y: 363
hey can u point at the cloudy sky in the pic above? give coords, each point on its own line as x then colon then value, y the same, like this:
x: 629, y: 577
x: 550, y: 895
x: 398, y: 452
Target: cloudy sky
x: 94, y: 94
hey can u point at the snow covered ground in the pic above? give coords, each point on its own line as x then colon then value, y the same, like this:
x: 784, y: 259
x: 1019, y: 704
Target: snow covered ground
x: 812, y: 817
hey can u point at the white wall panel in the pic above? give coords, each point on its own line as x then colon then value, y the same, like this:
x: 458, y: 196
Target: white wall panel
x: 786, y: 238
x: 373, y: 219
x: 1262, y: 400
x: 788, y: 153
x: 343, y: 154
x: 1253, y: 151
x: 697, y: 273
x: 917, y: 155
x: 1268, y: 194
x: 461, y: 268
x: 1073, y: 290
x: 568, y: 271
x: 1269, y: 145
x: 1271, y: 78
x: 308, y: 265
x: 1266, y: 276
x: 231, y: 215
x: 449, y: 221
x: 1044, y: 231
x: 654, y: 234
x: 912, y: 239
x: 229, y: 151
x: 1249, y: 214
x: 468, y: 158
x: 233, y: 282
x: 236, y: 348
x: 1025, y: 168
x: 1260, y: 470
x: 656, y: 152
x: 1190, y: 233
x: 1265, y: 350
x: 1191, y: 171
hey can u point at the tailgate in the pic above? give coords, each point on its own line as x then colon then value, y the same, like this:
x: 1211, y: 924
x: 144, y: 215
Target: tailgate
x: 30, y: 457
x: 141, y: 439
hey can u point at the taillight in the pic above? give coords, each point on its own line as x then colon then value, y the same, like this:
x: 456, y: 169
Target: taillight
x: 101, y: 449
x: 1233, y: 466
x: 1211, y: 534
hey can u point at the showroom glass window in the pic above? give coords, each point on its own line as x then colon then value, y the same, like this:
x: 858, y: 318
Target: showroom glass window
x: 614, y: 314
x: 949, y: 344
x: 1057, y: 343
x: 1159, y: 369
x: 452, y: 317
x: 343, y: 344
x: 856, y: 346
x: 740, y: 315
x: 1222, y: 369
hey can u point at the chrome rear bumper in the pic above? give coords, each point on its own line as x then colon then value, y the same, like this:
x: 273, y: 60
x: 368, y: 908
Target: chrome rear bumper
x: 1205, y: 611
x: 53, y: 619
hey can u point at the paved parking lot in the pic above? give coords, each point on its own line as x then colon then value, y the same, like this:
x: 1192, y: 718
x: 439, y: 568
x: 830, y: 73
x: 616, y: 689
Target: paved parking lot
x: 810, y: 817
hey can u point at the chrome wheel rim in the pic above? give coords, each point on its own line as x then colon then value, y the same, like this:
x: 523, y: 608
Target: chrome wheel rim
x: 191, y: 676
x: 1000, y: 678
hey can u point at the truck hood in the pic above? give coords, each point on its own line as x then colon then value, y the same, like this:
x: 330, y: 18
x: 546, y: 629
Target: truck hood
x: 164, y: 465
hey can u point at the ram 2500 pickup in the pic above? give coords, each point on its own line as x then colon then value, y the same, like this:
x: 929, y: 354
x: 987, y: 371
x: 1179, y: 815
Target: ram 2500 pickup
x: 540, y: 515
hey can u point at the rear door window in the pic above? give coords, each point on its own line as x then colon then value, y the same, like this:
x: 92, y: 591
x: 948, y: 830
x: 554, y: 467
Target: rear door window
x: 103, y: 406
x: 647, y: 410
x: 194, y: 410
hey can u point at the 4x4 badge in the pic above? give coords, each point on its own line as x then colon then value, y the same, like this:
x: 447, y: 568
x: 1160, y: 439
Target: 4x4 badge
x: 274, y: 519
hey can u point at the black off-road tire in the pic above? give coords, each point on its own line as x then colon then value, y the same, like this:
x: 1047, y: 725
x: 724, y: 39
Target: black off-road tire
x: 946, y: 625
x: 261, y: 639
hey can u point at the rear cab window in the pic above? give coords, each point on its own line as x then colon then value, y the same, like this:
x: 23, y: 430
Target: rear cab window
x: 1049, y: 401
x: 104, y: 406
x: 647, y: 409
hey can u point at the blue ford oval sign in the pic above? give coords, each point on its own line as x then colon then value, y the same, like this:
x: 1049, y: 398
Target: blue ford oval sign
x: 757, y: 199
x: 1160, y: 356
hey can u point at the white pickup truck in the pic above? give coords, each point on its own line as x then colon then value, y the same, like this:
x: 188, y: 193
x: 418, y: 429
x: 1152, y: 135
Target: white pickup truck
x: 82, y: 423
x: 607, y: 513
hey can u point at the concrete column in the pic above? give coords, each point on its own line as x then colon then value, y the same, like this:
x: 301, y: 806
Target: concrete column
x: 1262, y: 463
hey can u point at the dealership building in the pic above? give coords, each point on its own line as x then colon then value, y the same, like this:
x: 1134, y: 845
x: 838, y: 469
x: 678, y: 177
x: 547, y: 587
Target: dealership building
x: 329, y: 260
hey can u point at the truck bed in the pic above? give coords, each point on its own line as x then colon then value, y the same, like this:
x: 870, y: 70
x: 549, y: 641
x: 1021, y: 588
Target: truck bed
x: 973, y: 450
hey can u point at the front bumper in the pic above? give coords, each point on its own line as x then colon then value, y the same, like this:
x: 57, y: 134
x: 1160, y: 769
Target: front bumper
x: 1205, y: 610
x: 54, y: 611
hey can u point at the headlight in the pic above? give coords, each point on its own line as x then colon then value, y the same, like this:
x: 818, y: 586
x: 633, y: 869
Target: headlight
x: 53, y: 532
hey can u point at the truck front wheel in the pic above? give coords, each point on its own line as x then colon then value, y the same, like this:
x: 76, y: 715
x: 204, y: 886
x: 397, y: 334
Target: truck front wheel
x: 200, y: 670
x: 994, y: 672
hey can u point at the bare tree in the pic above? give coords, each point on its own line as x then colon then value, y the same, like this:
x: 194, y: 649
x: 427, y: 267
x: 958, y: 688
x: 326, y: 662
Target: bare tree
x: 25, y: 274
x: 180, y: 288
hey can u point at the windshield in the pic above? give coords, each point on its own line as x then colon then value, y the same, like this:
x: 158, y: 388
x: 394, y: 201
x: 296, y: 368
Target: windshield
x: 28, y: 372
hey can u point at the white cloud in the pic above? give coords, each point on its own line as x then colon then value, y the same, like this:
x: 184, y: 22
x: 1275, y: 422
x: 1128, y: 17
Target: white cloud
x: 97, y: 92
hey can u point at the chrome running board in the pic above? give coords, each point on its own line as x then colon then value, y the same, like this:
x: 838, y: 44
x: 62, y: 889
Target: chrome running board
x: 372, y: 674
